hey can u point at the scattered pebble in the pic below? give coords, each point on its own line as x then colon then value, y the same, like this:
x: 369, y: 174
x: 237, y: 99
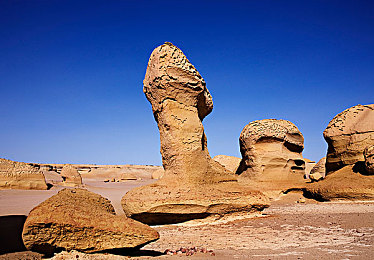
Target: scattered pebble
x: 189, y: 251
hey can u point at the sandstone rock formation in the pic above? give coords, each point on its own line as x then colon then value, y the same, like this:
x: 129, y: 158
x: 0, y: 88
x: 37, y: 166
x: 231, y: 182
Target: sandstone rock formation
x: 344, y: 184
x: 76, y: 219
x: 194, y: 185
x: 319, y: 170
x: 369, y: 159
x: 158, y: 174
x: 19, y: 175
x: 347, y: 135
x: 272, y: 152
x: 309, y: 164
x: 71, y: 176
x: 231, y: 163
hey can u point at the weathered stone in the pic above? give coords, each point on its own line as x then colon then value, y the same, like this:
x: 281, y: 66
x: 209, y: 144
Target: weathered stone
x: 231, y: 163
x: 76, y: 219
x: 19, y: 175
x: 369, y: 159
x: 318, y: 172
x: 194, y: 185
x: 347, y: 135
x: 272, y: 152
x: 344, y: 183
x: 71, y: 176
x: 309, y: 164
x: 158, y: 174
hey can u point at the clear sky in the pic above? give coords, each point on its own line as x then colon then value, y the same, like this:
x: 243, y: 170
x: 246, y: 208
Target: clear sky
x: 71, y: 72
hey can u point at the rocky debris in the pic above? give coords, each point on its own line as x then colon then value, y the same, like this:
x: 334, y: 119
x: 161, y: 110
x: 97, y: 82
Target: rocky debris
x: 128, y: 177
x: 76, y: 219
x: 272, y: 154
x: 71, y: 176
x: 231, y: 163
x: 194, y: 185
x: 345, y: 183
x: 347, y: 135
x: 318, y: 172
x: 189, y: 251
x: 369, y: 159
x: 19, y: 175
x: 158, y: 174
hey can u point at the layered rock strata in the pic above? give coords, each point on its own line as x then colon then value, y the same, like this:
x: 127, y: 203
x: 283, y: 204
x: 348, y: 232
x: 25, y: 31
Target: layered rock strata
x: 194, y: 185
x: 369, y: 159
x: 76, y: 219
x: 19, y: 175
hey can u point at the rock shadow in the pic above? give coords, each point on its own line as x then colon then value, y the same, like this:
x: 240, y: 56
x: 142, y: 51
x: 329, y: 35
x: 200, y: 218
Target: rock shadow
x: 360, y: 168
x: 11, y: 227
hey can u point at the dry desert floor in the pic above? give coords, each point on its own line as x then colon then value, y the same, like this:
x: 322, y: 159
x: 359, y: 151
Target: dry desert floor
x: 286, y: 230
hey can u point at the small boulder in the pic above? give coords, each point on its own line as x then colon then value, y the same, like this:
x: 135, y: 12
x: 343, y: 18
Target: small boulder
x: 76, y: 219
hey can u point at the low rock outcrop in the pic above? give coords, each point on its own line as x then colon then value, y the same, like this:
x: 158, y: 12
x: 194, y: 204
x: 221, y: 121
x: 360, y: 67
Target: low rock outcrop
x: 272, y: 154
x: 369, y: 159
x: 71, y: 176
x: 19, y: 175
x: 231, y: 163
x: 76, y: 219
x: 194, y: 185
x: 158, y: 174
x: 347, y: 136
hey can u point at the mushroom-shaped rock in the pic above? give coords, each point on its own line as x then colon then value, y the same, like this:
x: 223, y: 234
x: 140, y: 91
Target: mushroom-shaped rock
x: 369, y: 159
x: 347, y: 136
x: 194, y: 185
x: 19, y: 175
x: 76, y: 219
x: 318, y: 172
x: 231, y: 163
x: 272, y: 152
x: 71, y: 176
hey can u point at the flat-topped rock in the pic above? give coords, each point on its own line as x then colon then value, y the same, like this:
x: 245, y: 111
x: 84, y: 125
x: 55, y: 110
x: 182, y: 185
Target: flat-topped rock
x: 76, y: 219
x: 193, y: 185
x: 19, y: 175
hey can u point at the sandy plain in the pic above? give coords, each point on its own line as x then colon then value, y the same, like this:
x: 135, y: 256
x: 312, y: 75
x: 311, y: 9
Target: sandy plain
x: 286, y: 230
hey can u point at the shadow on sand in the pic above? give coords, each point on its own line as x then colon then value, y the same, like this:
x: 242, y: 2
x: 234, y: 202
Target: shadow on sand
x: 11, y: 233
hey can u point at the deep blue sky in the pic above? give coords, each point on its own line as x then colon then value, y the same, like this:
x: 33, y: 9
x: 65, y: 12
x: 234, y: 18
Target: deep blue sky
x: 71, y: 72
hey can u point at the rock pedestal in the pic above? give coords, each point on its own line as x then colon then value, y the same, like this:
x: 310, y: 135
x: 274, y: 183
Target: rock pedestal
x: 347, y: 136
x: 272, y: 154
x: 194, y: 185
x: 71, y: 176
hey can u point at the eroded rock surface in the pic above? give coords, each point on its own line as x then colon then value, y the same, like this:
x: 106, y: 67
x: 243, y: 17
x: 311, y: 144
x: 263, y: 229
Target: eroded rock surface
x: 194, y: 185
x: 19, y: 175
x: 272, y: 152
x: 231, y: 163
x: 347, y: 136
x: 71, y: 176
x: 76, y: 219
x: 319, y: 170
x: 369, y: 159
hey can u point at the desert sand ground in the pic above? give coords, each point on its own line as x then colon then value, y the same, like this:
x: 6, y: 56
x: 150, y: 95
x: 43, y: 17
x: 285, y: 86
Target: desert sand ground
x: 286, y: 230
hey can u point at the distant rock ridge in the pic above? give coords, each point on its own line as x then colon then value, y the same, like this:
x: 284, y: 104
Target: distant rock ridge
x: 19, y: 175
